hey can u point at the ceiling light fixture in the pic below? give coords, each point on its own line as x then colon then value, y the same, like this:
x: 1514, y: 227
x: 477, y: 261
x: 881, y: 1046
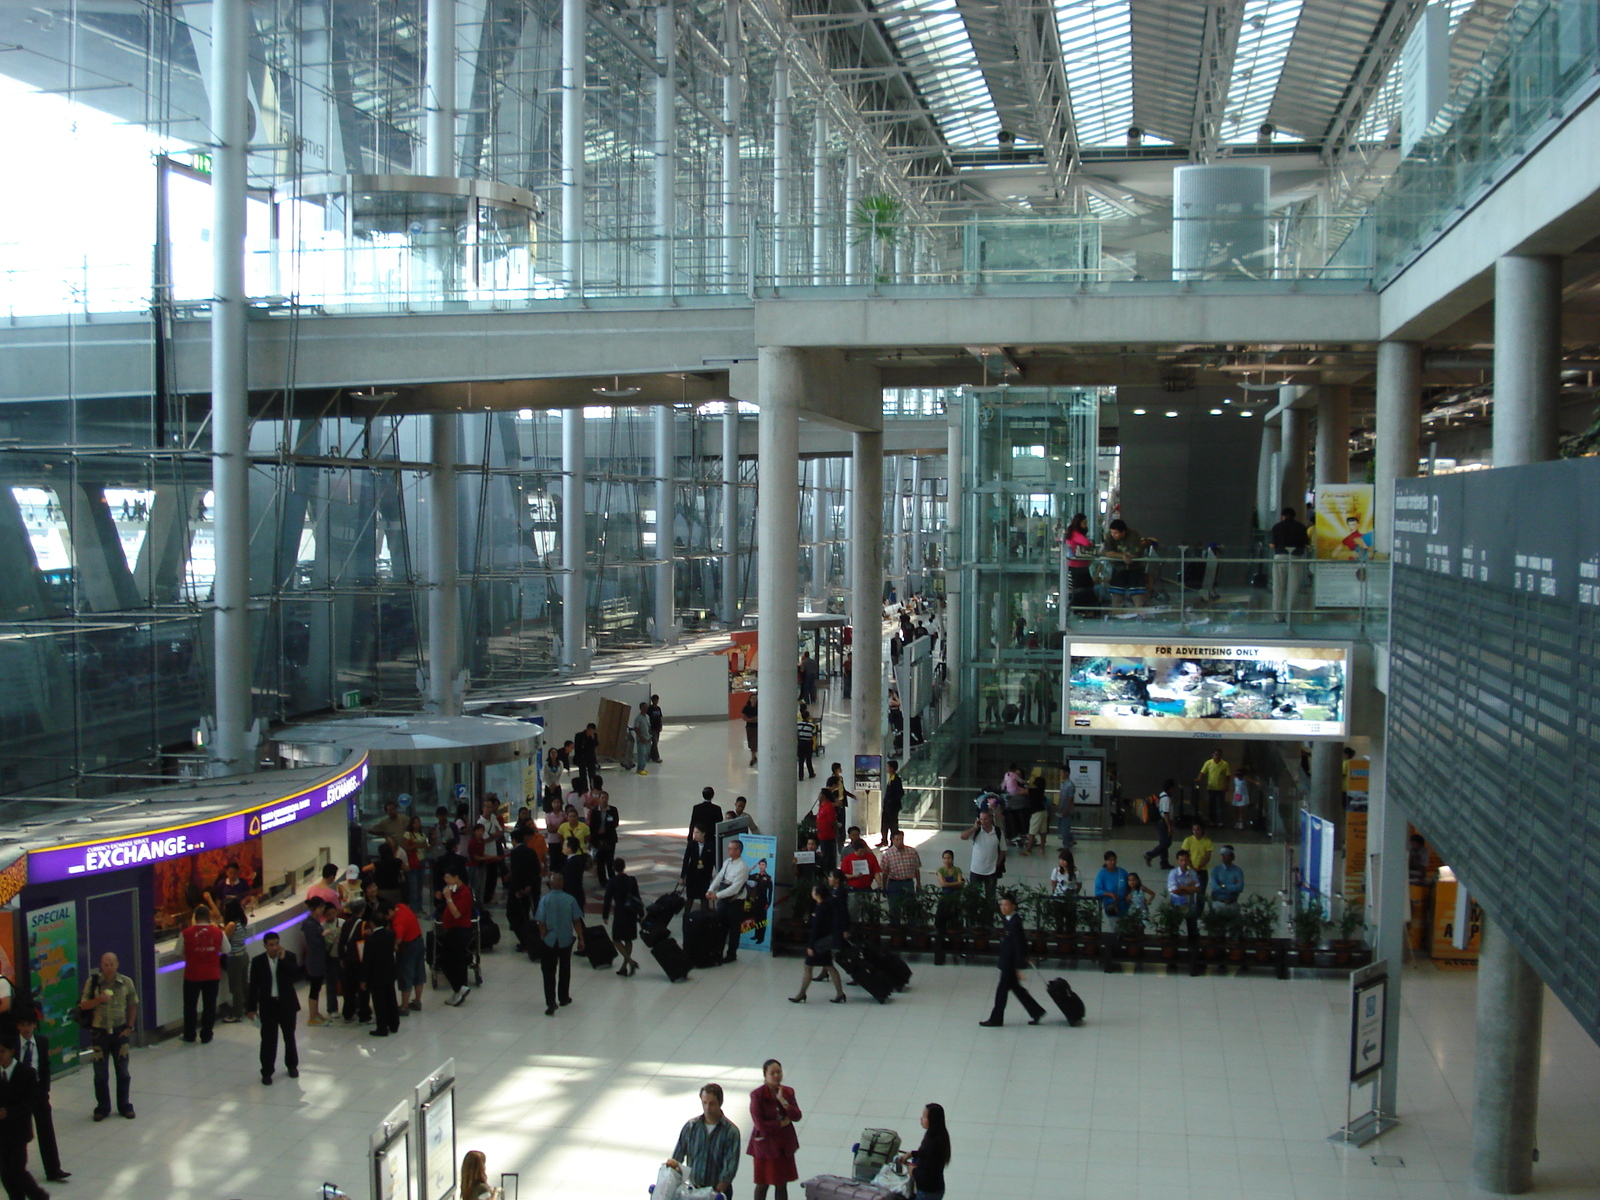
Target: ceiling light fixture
x: 616, y: 391
x: 1246, y: 413
x: 1138, y: 412
x: 1216, y: 412
x: 1172, y: 412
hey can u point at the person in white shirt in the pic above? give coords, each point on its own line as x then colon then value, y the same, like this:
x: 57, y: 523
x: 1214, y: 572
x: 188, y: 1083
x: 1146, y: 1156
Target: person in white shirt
x: 988, y: 853
x: 726, y: 891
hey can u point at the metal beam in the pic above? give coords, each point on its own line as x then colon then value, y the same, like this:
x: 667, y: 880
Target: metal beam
x: 1032, y: 29
x: 1387, y: 41
x: 630, y: 40
x: 1221, y: 41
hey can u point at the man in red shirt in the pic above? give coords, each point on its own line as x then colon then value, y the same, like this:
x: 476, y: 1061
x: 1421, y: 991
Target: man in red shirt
x: 203, y: 947
x: 860, y: 869
x: 410, y: 969
x: 827, y: 828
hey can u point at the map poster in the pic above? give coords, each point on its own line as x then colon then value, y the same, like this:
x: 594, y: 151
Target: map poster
x: 760, y: 851
x: 53, y: 964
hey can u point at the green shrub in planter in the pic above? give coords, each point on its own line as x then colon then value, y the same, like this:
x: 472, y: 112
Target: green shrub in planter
x: 1258, y: 918
x: 1130, y: 925
x: 1218, y: 922
x: 1309, y: 923
x: 1167, y: 919
x: 1351, y: 925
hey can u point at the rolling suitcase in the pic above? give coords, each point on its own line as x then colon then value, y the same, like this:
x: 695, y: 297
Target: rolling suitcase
x: 837, y: 1187
x: 890, y: 964
x: 663, y: 909
x: 488, y: 932
x: 862, y: 974
x: 876, y: 1147
x: 671, y: 958
x: 597, y: 946
x: 705, y: 938
x: 1067, y: 1000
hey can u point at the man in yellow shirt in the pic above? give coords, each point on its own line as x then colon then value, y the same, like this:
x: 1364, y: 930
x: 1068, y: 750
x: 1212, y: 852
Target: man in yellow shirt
x: 1200, y: 849
x: 1216, y: 774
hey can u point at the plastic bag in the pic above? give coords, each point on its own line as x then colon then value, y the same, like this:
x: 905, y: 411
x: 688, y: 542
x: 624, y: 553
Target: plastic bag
x: 894, y: 1178
x: 669, y: 1184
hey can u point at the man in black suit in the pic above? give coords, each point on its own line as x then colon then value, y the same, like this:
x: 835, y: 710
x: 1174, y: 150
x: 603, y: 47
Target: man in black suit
x: 706, y: 815
x: 34, y: 1053
x: 1013, y: 961
x: 272, y: 995
x: 18, y: 1087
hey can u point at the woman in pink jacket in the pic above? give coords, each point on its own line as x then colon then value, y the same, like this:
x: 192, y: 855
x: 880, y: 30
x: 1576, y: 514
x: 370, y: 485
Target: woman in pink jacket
x: 773, y: 1112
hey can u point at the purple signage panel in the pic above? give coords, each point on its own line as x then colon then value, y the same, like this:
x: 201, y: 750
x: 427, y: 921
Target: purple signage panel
x: 135, y: 850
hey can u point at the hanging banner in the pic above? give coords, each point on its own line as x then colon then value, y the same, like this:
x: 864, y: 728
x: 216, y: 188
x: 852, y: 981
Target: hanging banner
x: 1343, y: 531
x: 1355, y: 859
x: 53, y: 965
x: 760, y: 851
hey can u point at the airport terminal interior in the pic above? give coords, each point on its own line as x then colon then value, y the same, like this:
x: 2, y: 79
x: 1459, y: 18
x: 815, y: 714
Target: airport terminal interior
x: 1136, y: 422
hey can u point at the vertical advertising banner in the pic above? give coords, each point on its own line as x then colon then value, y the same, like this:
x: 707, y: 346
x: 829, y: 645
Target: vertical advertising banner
x: 1343, y: 531
x: 760, y: 851
x: 53, y: 965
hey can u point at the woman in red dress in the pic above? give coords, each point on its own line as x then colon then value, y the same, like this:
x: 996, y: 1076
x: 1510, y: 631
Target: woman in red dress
x: 773, y: 1112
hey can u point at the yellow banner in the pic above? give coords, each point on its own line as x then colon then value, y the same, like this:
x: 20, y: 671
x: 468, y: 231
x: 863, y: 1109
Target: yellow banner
x: 1344, y: 522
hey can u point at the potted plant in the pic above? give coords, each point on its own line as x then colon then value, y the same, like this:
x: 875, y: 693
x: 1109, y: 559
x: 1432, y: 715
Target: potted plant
x: 1217, y: 920
x: 1257, y: 921
x: 1130, y: 929
x: 1062, y: 920
x: 981, y: 915
x: 1309, y: 922
x: 1089, y: 912
x: 877, y: 226
x: 1350, y: 927
x: 1035, y: 904
x: 918, y: 907
x: 1167, y: 920
x: 868, y: 925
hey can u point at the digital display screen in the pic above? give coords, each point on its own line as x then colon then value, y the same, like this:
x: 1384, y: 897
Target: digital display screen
x: 1206, y: 690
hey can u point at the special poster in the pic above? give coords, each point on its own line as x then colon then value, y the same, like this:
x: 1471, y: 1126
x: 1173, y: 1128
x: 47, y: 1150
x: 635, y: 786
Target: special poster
x: 1343, y: 531
x: 53, y: 964
x: 760, y: 851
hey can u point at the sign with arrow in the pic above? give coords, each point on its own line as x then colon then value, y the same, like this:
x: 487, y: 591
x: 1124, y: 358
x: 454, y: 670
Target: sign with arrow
x: 1366, y: 1023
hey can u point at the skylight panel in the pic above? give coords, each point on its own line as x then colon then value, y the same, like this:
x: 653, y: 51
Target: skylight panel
x: 1097, y: 50
x: 1264, y: 40
x: 932, y: 39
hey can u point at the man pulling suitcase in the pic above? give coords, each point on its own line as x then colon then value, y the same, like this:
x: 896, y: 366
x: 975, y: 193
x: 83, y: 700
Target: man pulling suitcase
x: 1013, y: 961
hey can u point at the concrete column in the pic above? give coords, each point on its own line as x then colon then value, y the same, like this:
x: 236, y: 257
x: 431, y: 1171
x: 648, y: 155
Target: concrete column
x: 666, y: 148
x: 914, y: 575
x: 1292, y: 468
x: 1397, y: 444
x: 1266, y: 493
x: 892, y: 568
x: 781, y: 215
x: 444, y: 549
x: 1327, y: 777
x: 867, y: 705
x: 847, y: 501
x: 1527, y: 358
x: 439, y: 90
x: 666, y: 495
x: 730, y: 513
x: 819, y: 199
x: 1505, y: 1081
x: 781, y: 386
x: 1389, y: 905
x: 233, y: 745
x: 574, y: 546
x: 1333, y: 435
x: 574, y: 52
x: 732, y: 226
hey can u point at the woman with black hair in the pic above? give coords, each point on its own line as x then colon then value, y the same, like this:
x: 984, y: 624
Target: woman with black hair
x: 827, y: 931
x: 929, y: 1160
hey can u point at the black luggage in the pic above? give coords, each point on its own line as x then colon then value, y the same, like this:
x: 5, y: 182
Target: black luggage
x: 663, y: 909
x: 653, y: 935
x: 705, y: 938
x: 863, y: 974
x: 890, y: 964
x: 1067, y: 1000
x: 488, y: 932
x: 597, y: 946
x: 671, y: 958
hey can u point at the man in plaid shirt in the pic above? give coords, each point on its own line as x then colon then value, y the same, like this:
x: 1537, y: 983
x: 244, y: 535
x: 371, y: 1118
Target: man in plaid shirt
x: 902, y: 870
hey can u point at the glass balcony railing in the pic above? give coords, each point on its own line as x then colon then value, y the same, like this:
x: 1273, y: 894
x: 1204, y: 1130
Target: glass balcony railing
x: 1541, y: 62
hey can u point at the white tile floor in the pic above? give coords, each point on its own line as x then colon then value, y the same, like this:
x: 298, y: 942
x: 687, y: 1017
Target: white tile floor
x: 1175, y: 1087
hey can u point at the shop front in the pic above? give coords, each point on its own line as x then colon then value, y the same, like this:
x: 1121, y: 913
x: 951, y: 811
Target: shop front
x: 131, y: 887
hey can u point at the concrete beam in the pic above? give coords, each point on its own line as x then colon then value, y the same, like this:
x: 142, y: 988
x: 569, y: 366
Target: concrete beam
x: 1133, y: 314
x: 835, y: 390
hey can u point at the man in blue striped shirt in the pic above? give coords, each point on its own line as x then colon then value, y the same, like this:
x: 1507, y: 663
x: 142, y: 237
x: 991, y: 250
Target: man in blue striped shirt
x: 708, y: 1147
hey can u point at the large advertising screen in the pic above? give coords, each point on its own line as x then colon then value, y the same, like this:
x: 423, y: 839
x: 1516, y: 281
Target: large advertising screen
x: 1205, y: 690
